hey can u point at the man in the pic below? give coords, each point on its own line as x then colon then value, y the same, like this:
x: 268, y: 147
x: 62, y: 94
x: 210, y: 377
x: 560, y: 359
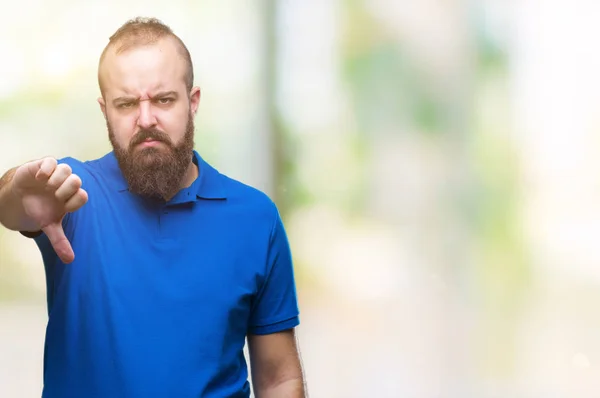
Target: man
x: 158, y: 267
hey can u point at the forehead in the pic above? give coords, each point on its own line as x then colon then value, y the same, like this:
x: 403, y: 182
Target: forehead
x: 142, y: 70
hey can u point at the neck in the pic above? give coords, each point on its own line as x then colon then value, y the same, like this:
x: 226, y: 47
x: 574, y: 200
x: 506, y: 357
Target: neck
x: 190, y: 175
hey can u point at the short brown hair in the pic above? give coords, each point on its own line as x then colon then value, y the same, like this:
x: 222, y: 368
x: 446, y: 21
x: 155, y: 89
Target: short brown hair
x: 143, y: 31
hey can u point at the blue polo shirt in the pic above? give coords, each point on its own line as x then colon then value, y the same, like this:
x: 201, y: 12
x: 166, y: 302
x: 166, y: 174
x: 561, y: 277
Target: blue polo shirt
x: 161, y: 297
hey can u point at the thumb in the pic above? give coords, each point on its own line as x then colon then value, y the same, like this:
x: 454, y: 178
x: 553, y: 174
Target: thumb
x: 59, y: 242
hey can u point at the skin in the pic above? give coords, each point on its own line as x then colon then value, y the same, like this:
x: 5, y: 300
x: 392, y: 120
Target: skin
x: 143, y: 88
x: 36, y: 196
x: 276, y: 365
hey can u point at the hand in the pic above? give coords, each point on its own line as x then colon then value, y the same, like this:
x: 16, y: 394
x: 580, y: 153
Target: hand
x: 48, y: 191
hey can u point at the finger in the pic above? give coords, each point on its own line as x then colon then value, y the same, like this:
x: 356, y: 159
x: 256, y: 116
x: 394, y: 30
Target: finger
x: 45, y: 168
x: 33, y: 167
x: 76, y: 201
x: 60, y: 174
x: 68, y: 188
x: 59, y: 242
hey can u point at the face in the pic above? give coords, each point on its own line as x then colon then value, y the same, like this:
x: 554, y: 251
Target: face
x: 149, y: 114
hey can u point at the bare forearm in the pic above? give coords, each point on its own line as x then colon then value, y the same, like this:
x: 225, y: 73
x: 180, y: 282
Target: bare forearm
x: 277, y: 370
x: 12, y: 215
x: 294, y: 388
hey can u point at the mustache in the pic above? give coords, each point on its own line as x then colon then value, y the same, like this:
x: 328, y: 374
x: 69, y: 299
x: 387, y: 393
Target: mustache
x: 150, y: 134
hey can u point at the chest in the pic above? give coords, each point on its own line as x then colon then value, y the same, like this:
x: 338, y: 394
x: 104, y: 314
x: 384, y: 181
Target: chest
x: 174, y: 264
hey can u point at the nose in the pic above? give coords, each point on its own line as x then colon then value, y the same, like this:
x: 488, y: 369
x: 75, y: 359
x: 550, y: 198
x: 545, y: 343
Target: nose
x: 146, y: 117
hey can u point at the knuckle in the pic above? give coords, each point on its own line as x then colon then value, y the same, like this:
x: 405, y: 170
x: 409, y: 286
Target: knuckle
x: 49, y: 164
x: 65, y: 168
x: 81, y: 198
x: 76, y: 180
x: 52, y: 185
x: 69, y: 182
x: 48, y: 160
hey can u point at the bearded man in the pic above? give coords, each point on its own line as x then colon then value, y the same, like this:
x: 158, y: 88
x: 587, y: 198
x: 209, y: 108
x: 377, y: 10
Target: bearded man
x: 158, y: 267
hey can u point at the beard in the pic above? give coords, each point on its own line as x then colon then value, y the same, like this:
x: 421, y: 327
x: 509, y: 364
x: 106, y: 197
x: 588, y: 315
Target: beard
x: 155, y: 172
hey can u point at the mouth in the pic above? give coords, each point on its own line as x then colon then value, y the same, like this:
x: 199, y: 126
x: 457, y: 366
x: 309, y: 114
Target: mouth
x: 149, y: 143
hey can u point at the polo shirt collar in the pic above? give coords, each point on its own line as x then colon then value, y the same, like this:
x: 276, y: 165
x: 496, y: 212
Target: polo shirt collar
x: 208, y: 185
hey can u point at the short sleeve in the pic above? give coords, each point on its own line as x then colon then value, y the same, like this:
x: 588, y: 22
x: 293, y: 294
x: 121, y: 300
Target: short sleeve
x: 275, y: 307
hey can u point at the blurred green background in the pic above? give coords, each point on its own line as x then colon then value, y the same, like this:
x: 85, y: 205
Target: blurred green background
x: 435, y: 163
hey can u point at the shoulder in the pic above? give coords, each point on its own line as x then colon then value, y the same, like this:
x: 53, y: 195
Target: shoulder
x: 90, y: 171
x: 248, y: 202
x: 215, y: 184
x: 87, y: 165
x: 247, y: 194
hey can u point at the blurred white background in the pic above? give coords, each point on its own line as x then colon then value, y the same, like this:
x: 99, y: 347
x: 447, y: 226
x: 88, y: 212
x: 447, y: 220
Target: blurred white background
x: 436, y: 163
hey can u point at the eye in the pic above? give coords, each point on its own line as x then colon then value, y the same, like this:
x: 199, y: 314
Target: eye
x: 125, y: 105
x: 165, y: 100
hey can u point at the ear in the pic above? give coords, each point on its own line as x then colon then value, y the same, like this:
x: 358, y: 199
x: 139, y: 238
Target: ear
x: 102, y: 106
x: 194, y: 99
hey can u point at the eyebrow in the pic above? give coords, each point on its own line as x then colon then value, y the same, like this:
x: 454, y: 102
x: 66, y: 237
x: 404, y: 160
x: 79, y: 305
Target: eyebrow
x: 160, y: 94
